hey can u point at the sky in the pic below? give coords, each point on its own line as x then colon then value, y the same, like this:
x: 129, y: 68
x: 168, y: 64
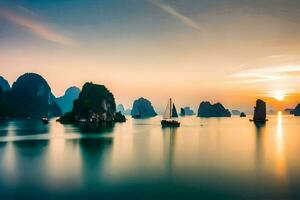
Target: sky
x: 228, y: 51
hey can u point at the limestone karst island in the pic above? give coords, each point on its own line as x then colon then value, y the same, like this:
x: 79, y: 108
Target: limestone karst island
x: 150, y: 99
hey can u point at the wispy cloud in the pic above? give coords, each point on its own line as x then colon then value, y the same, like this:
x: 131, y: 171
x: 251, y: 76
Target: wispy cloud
x: 266, y: 74
x: 35, y: 27
x: 173, y: 12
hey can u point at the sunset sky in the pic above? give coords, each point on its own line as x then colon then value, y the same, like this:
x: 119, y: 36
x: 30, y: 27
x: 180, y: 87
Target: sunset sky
x: 232, y: 51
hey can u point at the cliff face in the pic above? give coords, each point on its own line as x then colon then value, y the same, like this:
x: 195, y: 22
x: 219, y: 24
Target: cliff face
x: 94, y: 104
x: 260, y: 111
x: 31, y: 96
x: 4, y: 84
x: 66, y: 102
x: 142, y: 108
x: 206, y: 109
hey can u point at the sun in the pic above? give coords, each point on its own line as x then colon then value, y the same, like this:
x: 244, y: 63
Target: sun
x: 279, y: 96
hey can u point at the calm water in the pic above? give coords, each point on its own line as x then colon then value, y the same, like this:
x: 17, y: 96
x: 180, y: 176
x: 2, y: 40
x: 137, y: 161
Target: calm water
x: 228, y: 158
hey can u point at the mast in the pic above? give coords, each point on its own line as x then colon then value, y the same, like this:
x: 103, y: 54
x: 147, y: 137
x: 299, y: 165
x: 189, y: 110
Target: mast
x: 171, y: 105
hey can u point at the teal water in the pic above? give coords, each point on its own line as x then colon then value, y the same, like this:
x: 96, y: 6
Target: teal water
x: 225, y: 158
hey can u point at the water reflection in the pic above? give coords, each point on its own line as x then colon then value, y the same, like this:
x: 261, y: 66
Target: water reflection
x: 280, y: 151
x: 94, y: 154
x: 4, y: 127
x: 222, y: 158
x: 8, y: 164
x: 260, y: 134
x: 97, y: 127
x: 169, y: 135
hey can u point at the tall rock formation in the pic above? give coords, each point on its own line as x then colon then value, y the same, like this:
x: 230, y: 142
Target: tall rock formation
x: 142, y: 108
x: 206, y: 109
x: 95, y: 104
x: 65, y: 102
x: 4, y: 84
x: 260, y: 111
x: 31, y: 96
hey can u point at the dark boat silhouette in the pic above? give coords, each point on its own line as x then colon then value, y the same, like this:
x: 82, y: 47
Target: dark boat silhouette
x: 260, y: 115
x: 168, y: 115
x: 45, y: 120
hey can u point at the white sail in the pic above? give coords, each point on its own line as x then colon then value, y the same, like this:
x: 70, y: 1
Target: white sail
x: 168, y: 111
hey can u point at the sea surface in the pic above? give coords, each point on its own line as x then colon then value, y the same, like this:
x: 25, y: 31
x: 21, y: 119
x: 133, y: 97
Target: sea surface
x: 215, y: 158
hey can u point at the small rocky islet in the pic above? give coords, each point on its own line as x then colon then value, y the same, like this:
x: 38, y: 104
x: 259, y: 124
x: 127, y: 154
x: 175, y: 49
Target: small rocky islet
x: 142, y: 108
x: 186, y: 111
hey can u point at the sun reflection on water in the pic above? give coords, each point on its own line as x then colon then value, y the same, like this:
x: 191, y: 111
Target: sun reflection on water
x: 280, y: 162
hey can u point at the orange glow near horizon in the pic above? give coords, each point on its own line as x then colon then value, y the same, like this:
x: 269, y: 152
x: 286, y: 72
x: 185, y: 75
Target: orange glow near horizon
x: 174, y: 54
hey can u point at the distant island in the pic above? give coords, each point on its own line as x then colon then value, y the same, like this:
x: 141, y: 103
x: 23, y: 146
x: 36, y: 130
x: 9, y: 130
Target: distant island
x: 30, y: 96
x: 95, y: 104
x: 186, y: 111
x: 121, y: 109
x: 243, y: 114
x: 289, y: 111
x: 236, y: 112
x: 65, y: 102
x: 206, y: 109
x: 142, y: 108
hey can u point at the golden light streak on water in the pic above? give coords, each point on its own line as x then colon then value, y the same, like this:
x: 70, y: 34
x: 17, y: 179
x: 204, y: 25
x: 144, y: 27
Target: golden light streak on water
x: 280, y: 160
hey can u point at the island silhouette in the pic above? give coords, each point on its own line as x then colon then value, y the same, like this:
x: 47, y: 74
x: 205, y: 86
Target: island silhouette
x: 30, y: 96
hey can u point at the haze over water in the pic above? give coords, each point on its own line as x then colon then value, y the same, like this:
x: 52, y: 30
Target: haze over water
x: 216, y: 158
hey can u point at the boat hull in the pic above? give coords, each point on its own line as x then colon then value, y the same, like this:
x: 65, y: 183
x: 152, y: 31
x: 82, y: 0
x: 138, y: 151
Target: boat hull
x: 45, y: 121
x: 258, y: 121
x: 167, y: 123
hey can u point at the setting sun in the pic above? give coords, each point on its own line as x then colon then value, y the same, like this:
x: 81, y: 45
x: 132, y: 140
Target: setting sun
x: 279, y: 96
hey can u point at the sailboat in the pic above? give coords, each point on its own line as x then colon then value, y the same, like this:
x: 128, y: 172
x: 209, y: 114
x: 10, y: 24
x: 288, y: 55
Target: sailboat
x: 168, y: 115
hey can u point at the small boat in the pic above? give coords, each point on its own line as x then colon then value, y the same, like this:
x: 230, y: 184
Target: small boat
x: 45, y: 120
x: 168, y: 115
x: 83, y: 121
